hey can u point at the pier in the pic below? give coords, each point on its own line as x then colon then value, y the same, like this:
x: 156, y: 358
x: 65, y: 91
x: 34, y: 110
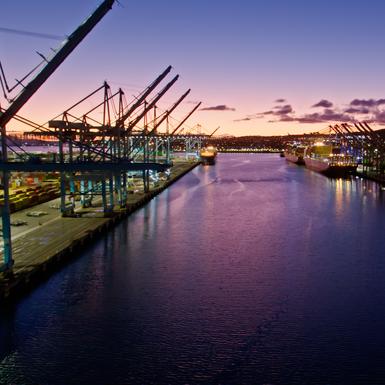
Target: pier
x: 192, y: 193
x: 49, y: 240
x: 98, y: 152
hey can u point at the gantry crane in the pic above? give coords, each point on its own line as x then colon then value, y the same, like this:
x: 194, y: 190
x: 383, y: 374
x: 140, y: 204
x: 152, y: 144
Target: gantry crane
x: 28, y: 91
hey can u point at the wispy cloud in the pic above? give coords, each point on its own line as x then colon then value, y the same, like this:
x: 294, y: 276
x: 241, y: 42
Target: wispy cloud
x: 370, y: 110
x: 328, y: 115
x: 377, y: 117
x: 353, y: 110
x: 323, y: 103
x: 283, y: 110
x: 367, y: 102
x: 280, y: 101
x: 242, y: 120
x: 280, y: 112
x: 221, y: 107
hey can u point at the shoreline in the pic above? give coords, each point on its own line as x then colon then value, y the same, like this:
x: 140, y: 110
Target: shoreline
x: 234, y: 151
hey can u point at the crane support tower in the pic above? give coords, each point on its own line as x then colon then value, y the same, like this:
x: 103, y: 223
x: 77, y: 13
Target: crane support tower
x: 67, y: 47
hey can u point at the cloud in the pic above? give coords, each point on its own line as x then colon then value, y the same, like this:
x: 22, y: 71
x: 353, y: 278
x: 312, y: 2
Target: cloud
x: 271, y: 112
x: 286, y: 118
x: 283, y: 110
x: 323, y: 103
x: 353, y: 110
x: 369, y: 110
x: 242, y: 120
x: 378, y: 117
x: 280, y: 101
x: 331, y: 115
x: 309, y: 118
x: 221, y: 107
x: 367, y: 102
x: 286, y: 114
x: 280, y: 112
x: 258, y: 115
x: 326, y: 116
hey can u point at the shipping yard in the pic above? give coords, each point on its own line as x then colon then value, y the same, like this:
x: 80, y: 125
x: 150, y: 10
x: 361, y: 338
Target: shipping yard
x: 42, y: 239
x: 227, y: 233
x: 98, y: 164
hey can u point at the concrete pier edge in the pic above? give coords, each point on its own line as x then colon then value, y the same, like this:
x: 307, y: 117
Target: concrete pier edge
x: 14, y: 287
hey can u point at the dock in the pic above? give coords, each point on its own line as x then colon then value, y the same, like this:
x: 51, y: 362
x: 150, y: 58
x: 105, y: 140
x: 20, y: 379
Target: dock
x: 44, y: 243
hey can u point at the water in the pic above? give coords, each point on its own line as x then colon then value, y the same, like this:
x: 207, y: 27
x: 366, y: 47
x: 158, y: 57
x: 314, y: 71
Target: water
x: 254, y: 271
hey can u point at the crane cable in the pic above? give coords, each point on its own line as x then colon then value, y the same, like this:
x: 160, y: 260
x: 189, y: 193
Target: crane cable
x: 32, y: 34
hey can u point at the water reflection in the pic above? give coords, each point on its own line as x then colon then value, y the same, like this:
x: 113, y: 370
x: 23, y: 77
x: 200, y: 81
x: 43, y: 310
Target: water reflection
x: 7, y: 332
x: 253, y: 271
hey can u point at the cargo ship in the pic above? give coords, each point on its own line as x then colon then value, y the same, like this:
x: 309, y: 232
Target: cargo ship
x: 329, y: 160
x: 208, y: 155
x: 295, y: 154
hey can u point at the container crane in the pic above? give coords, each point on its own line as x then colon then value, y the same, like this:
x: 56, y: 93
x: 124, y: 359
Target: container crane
x: 214, y: 132
x: 168, y: 112
x: 184, y: 120
x: 68, y: 46
x: 150, y: 105
x: 164, y: 117
x: 28, y: 91
x: 142, y: 97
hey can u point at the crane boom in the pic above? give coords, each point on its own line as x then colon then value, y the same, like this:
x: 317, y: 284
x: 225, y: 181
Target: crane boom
x: 214, y: 132
x: 68, y: 46
x: 363, y: 131
x: 339, y: 130
x: 183, y: 121
x: 142, y: 98
x: 168, y: 112
x: 133, y: 123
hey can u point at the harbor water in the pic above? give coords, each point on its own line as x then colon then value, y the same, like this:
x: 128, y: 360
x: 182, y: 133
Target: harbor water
x: 252, y: 271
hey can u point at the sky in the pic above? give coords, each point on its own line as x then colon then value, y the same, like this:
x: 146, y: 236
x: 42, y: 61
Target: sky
x: 259, y: 67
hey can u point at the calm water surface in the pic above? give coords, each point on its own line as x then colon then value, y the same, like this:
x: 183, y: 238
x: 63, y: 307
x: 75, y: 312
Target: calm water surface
x: 254, y: 271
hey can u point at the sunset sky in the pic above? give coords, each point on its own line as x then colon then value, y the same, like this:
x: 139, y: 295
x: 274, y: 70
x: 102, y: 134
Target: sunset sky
x: 260, y: 67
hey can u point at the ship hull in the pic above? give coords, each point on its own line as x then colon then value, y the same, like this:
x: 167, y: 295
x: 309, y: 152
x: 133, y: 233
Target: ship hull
x: 208, y: 155
x: 208, y: 160
x: 297, y: 159
x: 328, y: 169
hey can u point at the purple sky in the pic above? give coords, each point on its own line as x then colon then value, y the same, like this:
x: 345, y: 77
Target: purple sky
x: 259, y: 67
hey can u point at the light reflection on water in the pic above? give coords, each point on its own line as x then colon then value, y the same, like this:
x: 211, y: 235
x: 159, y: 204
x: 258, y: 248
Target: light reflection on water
x: 253, y: 271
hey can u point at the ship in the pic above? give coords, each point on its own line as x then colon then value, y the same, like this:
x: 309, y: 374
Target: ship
x: 208, y: 155
x: 329, y: 160
x: 295, y: 154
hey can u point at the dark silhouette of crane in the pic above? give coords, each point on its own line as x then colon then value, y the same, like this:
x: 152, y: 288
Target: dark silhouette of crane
x: 28, y: 91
